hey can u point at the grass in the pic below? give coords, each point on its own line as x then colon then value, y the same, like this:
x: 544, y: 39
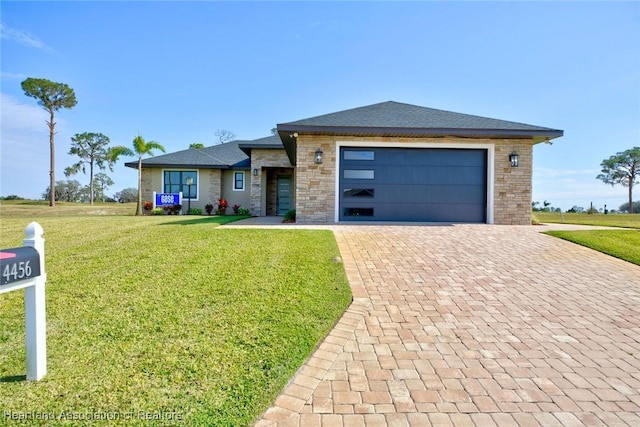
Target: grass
x: 611, y: 220
x: 623, y: 244
x: 169, y: 316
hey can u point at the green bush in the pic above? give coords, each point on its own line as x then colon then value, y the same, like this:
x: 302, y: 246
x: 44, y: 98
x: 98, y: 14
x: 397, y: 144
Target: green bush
x: 195, y: 211
x: 244, y: 211
x: 290, y: 216
x: 157, y: 211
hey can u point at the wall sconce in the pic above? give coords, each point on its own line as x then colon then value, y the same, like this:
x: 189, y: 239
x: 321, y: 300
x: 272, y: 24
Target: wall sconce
x: 513, y: 158
x: 318, y: 157
x: 255, y: 172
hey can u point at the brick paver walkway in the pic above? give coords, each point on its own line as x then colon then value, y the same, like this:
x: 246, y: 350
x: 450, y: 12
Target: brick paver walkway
x: 473, y: 325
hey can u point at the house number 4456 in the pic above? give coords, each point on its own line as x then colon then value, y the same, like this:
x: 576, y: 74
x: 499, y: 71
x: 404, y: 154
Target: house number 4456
x: 16, y: 271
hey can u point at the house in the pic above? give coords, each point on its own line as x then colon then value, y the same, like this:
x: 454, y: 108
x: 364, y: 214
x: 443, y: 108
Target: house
x: 383, y: 162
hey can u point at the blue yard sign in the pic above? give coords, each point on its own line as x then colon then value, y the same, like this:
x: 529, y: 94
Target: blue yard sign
x: 167, y: 199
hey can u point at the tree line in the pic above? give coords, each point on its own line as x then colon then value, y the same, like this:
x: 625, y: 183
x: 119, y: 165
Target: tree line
x: 93, y: 151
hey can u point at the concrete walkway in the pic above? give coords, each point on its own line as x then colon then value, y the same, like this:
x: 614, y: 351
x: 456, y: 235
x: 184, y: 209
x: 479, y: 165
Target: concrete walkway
x: 473, y: 325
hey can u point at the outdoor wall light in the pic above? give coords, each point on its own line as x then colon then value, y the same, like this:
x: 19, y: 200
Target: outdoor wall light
x: 318, y: 157
x: 255, y: 172
x: 513, y: 158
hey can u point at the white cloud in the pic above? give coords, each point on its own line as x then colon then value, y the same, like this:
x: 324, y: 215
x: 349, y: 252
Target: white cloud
x: 22, y: 37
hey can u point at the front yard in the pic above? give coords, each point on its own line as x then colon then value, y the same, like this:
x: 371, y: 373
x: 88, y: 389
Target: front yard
x: 169, y: 319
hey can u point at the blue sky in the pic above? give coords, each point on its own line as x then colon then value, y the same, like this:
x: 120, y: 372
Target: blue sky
x: 175, y: 72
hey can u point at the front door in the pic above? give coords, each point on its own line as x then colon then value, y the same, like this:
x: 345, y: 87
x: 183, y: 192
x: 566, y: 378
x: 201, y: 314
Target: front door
x: 283, y: 203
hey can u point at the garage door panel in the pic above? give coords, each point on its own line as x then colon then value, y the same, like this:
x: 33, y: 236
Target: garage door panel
x: 409, y: 184
x: 460, y: 194
x: 427, y: 175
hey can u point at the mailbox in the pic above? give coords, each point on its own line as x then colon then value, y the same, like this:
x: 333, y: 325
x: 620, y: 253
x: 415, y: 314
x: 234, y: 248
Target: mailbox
x: 18, y: 264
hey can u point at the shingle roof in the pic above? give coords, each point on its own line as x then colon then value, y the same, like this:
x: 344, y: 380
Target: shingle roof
x: 395, y: 119
x: 268, y: 142
x: 396, y: 116
x: 221, y: 156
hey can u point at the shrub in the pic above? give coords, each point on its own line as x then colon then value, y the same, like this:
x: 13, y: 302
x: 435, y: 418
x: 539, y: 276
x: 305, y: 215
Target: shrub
x: 209, y: 208
x: 290, y: 216
x: 222, y: 207
x: 157, y: 211
x: 243, y: 211
x: 236, y: 207
x: 172, y: 209
x: 147, y: 205
x: 195, y: 211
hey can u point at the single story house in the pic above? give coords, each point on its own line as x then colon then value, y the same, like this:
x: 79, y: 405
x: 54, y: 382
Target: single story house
x: 383, y: 162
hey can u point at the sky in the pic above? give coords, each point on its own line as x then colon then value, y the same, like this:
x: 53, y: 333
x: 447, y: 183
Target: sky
x: 176, y: 72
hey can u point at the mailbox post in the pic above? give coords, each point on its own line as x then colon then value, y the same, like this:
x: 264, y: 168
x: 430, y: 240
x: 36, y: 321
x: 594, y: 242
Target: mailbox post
x: 24, y: 267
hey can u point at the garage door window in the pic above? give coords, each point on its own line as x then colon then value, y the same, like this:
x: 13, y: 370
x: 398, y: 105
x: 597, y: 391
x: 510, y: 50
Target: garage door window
x: 358, y: 174
x: 359, y: 155
x: 358, y: 211
x: 358, y: 192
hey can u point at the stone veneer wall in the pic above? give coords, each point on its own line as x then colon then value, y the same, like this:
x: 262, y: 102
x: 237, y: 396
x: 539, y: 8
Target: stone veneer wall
x: 268, y: 158
x: 315, y: 184
x: 214, y: 187
x: 512, y: 186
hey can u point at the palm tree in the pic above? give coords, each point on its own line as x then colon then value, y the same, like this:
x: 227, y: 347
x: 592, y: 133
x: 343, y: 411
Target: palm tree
x: 140, y: 148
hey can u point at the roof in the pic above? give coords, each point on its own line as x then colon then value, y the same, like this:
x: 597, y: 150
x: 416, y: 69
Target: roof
x: 268, y: 142
x: 222, y: 156
x: 406, y: 120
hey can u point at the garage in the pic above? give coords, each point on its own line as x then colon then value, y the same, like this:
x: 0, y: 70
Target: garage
x: 413, y: 184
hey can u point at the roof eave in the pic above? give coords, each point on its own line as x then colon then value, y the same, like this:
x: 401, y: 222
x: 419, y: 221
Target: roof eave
x: 289, y: 133
x: 246, y: 148
x: 134, y: 165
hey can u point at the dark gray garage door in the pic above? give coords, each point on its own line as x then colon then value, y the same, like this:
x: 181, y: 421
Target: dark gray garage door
x: 413, y: 184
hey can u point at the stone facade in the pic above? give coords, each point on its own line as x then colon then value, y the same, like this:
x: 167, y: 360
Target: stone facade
x: 265, y: 161
x: 316, y: 184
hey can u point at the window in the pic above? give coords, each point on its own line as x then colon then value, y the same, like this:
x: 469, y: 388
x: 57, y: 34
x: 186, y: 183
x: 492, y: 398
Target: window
x: 358, y: 211
x: 358, y: 174
x: 238, y: 181
x: 176, y: 181
x: 359, y: 155
x: 358, y: 192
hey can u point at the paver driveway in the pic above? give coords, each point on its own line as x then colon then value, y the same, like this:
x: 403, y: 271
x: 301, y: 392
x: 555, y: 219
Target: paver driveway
x: 473, y: 325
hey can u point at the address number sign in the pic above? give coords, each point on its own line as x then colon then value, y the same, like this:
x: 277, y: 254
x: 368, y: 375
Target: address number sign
x: 18, y: 264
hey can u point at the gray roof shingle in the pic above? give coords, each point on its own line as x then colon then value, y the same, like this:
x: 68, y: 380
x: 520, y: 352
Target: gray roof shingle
x: 221, y: 156
x: 397, y: 116
x: 395, y: 119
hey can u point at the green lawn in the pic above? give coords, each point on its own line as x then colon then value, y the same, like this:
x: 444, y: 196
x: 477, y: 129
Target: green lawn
x: 611, y: 220
x: 170, y: 316
x: 623, y: 244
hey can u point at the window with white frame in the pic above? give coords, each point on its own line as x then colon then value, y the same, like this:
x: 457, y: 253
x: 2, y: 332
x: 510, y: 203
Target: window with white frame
x: 238, y: 181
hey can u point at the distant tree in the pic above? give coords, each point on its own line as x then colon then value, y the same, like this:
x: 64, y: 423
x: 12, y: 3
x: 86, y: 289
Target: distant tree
x: 576, y: 209
x: 65, y: 191
x: 128, y: 195
x: 140, y: 149
x: 625, y: 207
x: 51, y: 96
x: 224, y: 136
x: 274, y: 131
x: 197, y: 145
x: 546, y: 206
x: 624, y: 169
x: 12, y: 197
x: 93, y: 151
x: 534, y: 206
x: 101, y: 183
